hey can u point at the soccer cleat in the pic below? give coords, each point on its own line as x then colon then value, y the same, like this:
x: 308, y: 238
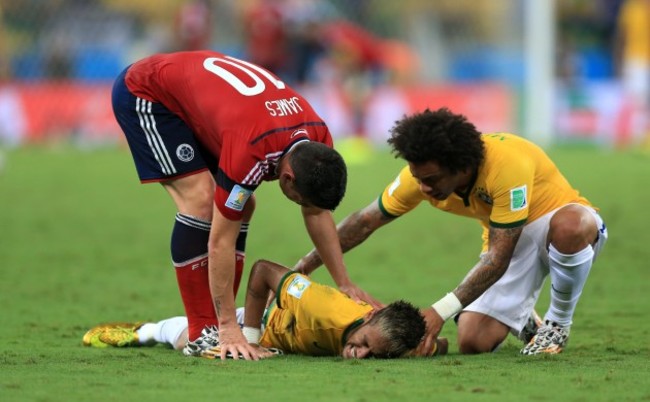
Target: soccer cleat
x: 215, y: 353
x: 550, y: 339
x: 530, y: 329
x: 209, y: 338
x: 118, y: 334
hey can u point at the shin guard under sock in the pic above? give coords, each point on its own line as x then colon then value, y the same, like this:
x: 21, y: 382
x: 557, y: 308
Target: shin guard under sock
x: 189, y: 248
x: 568, y: 276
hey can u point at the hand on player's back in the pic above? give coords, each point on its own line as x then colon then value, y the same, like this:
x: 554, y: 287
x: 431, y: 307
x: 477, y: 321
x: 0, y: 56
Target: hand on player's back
x: 357, y: 294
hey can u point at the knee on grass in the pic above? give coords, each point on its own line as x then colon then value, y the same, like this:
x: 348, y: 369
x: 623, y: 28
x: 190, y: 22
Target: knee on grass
x: 477, y: 344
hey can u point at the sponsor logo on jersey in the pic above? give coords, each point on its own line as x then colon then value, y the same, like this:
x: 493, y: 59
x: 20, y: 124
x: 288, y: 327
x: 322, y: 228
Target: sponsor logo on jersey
x: 518, y: 198
x: 185, y: 152
x: 298, y: 286
x: 238, y: 197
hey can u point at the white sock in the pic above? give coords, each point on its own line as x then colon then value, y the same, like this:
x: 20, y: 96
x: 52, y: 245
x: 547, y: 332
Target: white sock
x: 240, y: 312
x: 166, y: 331
x: 568, y: 276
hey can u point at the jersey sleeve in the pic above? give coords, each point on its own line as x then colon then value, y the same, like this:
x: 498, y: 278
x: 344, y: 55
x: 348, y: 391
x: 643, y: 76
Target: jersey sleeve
x: 324, y: 136
x: 401, y: 195
x: 511, y: 187
x: 233, y: 189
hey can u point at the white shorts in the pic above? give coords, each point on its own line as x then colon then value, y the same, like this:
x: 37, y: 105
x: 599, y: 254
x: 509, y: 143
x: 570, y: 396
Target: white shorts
x: 512, y: 298
x: 636, y: 81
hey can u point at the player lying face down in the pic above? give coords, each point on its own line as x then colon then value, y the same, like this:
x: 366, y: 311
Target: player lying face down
x: 305, y: 318
x: 317, y: 320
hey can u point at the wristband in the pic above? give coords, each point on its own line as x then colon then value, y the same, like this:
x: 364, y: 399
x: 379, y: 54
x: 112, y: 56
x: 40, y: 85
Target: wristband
x: 252, y: 335
x: 448, y: 306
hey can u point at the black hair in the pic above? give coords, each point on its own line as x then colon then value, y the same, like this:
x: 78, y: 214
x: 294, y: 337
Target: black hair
x: 320, y: 174
x: 438, y: 136
x: 402, y: 326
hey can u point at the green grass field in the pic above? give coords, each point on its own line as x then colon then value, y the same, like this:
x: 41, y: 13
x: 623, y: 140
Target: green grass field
x: 82, y: 242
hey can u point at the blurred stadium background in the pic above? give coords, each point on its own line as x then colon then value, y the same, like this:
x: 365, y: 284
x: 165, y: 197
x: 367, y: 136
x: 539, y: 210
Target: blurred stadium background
x: 549, y: 70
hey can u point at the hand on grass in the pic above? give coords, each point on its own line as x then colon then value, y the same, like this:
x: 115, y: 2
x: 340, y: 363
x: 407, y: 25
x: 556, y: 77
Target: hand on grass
x: 231, y: 340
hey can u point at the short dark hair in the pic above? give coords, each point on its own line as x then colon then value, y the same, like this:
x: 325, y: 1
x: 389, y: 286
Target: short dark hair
x: 320, y: 174
x: 402, y: 326
x: 438, y: 136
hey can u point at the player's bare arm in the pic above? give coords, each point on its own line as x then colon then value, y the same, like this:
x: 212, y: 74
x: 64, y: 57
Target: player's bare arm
x: 265, y: 277
x: 352, y: 231
x: 484, y: 274
x: 221, y: 268
x: 358, y: 226
x: 491, y: 266
x: 321, y: 229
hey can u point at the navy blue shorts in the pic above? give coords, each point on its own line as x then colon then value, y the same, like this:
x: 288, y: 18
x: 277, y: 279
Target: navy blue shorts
x: 162, y: 145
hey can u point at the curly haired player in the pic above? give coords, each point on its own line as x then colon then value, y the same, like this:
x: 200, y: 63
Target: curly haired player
x: 534, y: 223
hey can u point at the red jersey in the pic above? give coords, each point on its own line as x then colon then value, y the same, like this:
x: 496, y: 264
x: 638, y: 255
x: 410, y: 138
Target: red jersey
x: 242, y: 114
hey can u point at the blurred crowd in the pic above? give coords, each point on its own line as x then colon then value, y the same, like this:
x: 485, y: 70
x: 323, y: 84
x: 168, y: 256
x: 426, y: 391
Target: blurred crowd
x: 341, y: 49
x: 78, y: 39
x: 459, y: 39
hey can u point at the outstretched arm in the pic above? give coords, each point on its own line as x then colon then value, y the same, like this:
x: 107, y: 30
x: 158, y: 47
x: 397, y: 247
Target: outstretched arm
x: 352, y: 231
x: 484, y: 274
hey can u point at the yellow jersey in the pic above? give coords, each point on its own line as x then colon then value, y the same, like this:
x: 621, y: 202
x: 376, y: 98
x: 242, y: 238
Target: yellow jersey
x: 516, y: 183
x: 309, y: 318
x: 634, y: 22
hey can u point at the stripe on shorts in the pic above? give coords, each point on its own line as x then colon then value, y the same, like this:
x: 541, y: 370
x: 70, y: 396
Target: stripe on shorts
x: 148, y: 125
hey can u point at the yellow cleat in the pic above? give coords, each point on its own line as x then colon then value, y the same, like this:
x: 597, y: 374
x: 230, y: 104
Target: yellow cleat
x: 118, y: 334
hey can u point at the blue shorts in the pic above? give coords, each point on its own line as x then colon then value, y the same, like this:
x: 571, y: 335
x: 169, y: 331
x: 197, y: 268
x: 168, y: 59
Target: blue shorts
x: 162, y: 145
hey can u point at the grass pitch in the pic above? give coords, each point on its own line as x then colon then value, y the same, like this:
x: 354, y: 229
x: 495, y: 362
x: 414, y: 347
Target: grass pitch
x: 82, y: 242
